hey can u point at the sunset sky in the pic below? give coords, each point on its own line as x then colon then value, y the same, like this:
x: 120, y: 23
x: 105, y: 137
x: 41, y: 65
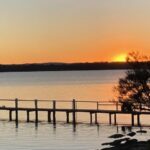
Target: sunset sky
x: 72, y: 30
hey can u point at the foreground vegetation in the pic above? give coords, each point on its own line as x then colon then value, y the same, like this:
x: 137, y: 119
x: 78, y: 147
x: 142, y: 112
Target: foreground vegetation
x: 134, y: 89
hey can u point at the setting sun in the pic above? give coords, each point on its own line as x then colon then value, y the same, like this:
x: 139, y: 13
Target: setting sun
x: 120, y: 58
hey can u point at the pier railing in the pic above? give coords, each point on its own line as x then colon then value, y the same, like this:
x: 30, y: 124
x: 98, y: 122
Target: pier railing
x: 66, y: 104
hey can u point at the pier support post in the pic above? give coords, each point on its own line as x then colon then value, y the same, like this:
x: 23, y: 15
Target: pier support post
x: 115, y: 119
x: 54, y: 112
x: 74, y: 112
x: 110, y: 120
x: 49, y: 116
x: 67, y: 117
x: 138, y: 120
x: 10, y: 115
x: 91, y: 118
x: 36, y: 111
x: 16, y: 107
x: 132, y: 119
x: 96, y: 122
x: 28, y: 116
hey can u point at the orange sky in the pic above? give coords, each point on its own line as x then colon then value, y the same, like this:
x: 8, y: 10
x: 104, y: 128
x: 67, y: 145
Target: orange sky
x: 72, y: 31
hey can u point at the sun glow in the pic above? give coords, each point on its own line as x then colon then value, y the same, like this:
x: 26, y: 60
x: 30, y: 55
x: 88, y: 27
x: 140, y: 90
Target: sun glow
x: 120, y: 58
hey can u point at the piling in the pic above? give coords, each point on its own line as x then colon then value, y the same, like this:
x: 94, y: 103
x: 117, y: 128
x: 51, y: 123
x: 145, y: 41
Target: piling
x: 36, y: 111
x: 16, y: 109
x: 49, y: 116
x: 74, y: 112
x: 10, y: 115
x: 138, y: 120
x: 91, y: 118
x: 96, y: 122
x: 115, y: 119
x: 110, y: 120
x: 28, y: 116
x: 132, y: 119
x: 54, y: 112
x: 67, y: 117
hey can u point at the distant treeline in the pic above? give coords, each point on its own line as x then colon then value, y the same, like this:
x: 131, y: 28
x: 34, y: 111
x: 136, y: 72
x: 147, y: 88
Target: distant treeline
x: 64, y: 66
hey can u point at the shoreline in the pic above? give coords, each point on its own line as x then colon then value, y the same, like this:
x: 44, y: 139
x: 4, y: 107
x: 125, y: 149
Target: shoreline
x: 127, y: 141
x: 64, y: 66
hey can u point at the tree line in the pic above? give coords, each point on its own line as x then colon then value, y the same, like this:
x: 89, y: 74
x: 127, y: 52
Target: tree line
x: 65, y: 66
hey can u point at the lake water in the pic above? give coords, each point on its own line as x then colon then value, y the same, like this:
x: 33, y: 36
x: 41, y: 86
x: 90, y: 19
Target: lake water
x: 79, y: 85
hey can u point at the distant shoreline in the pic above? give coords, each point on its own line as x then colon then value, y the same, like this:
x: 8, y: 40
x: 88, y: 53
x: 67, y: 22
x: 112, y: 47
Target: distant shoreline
x: 68, y: 66
x: 64, y: 66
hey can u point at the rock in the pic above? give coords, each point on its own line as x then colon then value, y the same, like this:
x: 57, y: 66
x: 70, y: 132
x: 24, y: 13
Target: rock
x: 141, y: 131
x: 131, y: 142
x: 131, y: 134
x: 116, y: 136
x: 119, y: 142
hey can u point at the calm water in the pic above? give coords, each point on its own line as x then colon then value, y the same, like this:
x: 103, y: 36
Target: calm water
x: 63, y: 137
x: 81, y: 85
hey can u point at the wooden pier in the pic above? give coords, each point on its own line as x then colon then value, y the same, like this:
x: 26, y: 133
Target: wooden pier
x: 115, y: 109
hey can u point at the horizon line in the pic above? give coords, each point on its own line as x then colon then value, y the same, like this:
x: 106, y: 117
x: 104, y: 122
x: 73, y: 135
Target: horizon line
x: 63, y: 62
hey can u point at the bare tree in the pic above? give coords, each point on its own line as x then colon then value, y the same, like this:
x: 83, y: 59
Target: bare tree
x: 134, y: 89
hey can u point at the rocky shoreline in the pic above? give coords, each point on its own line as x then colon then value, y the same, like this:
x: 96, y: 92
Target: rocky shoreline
x: 127, y: 142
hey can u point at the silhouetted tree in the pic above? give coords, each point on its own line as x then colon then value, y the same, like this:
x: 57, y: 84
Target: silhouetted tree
x: 134, y: 89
